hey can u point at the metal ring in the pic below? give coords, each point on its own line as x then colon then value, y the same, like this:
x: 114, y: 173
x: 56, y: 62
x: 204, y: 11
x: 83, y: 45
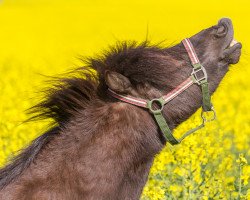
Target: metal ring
x: 204, y: 119
x: 160, y: 102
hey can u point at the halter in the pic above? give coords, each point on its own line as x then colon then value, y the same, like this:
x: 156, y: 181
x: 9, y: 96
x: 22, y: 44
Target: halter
x: 198, y: 76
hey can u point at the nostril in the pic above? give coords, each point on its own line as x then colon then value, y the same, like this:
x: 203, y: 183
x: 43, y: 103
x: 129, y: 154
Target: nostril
x: 221, y: 30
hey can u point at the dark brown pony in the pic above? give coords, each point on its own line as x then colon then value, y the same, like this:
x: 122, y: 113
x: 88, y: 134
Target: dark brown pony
x: 101, y: 148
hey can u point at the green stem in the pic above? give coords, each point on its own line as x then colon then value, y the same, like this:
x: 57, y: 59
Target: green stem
x: 239, y: 194
x: 189, y: 188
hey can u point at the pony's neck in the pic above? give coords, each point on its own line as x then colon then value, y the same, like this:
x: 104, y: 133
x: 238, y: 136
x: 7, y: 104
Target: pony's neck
x: 108, y: 142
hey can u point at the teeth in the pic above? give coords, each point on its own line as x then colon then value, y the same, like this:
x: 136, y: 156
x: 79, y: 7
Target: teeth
x: 233, y: 42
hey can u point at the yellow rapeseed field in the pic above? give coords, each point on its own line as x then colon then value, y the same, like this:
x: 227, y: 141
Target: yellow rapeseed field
x: 47, y: 36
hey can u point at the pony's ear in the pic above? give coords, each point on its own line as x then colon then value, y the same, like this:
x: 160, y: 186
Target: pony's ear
x: 117, y: 82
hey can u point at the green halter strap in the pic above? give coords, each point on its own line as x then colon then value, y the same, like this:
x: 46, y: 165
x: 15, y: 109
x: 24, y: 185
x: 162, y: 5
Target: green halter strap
x: 198, y: 76
x: 206, y: 107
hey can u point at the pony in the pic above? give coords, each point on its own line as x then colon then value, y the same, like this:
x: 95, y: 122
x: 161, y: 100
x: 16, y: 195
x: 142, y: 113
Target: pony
x: 101, y: 148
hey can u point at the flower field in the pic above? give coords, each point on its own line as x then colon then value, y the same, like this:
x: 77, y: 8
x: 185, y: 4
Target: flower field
x: 42, y: 37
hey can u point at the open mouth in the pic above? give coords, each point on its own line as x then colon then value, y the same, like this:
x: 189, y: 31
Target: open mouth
x: 232, y: 43
x: 232, y: 52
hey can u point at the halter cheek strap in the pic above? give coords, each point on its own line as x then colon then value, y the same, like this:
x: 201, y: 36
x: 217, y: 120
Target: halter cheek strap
x: 199, y: 69
x: 198, y: 76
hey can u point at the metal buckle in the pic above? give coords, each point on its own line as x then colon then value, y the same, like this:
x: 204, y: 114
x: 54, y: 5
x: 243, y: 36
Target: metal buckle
x: 202, y: 79
x: 204, y: 119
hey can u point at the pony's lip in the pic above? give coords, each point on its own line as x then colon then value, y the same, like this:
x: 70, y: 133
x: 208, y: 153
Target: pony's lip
x: 234, y: 43
x: 231, y: 49
x: 232, y: 54
x: 233, y: 46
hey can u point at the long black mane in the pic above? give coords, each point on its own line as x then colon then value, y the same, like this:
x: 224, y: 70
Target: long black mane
x: 62, y: 100
x: 69, y: 95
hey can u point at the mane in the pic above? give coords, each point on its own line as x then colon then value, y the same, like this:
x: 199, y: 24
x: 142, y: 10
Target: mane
x: 68, y: 95
x: 62, y: 101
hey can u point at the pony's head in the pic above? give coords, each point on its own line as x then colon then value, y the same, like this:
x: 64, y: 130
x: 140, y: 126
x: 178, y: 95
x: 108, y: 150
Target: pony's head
x: 134, y: 69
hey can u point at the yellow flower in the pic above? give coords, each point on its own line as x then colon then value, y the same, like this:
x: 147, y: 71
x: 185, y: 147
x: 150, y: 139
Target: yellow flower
x: 241, y: 160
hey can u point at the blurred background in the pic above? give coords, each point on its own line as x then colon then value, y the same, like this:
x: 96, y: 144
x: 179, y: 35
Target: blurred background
x: 47, y: 37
